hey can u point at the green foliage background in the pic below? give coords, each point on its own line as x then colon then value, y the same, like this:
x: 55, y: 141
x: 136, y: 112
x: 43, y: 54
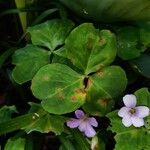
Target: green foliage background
x: 67, y: 55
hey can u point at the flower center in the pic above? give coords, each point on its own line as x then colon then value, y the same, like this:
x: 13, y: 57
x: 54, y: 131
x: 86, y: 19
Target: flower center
x: 132, y: 110
x: 85, y: 118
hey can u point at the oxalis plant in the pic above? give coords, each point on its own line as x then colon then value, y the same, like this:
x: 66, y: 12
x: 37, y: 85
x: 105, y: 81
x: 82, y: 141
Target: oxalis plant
x: 75, y: 76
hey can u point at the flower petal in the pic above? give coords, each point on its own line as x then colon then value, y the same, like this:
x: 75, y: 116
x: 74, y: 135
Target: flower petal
x: 92, y: 121
x: 79, y: 114
x: 137, y: 122
x: 129, y: 100
x: 142, y: 111
x: 89, y: 132
x: 124, y: 111
x: 126, y: 121
x: 82, y: 126
x: 73, y: 123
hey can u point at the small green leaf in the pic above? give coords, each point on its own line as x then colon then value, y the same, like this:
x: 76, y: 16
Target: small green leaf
x: 51, y: 33
x: 60, y: 88
x: 142, y: 64
x: 128, y: 38
x: 45, y: 123
x: 102, y: 88
x: 143, y: 97
x: 135, y: 139
x: 13, y: 144
x: 144, y: 29
x: 28, y: 61
x: 6, y: 112
x: 90, y: 49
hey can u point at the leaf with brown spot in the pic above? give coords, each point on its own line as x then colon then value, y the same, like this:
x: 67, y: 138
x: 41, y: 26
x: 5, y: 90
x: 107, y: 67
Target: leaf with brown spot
x: 63, y: 93
x: 102, y: 41
x: 89, y: 49
x: 80, y: 91
x: 103, y: 89
x: 46, y: 78
x: 103, y: 102
x: 73, y: 98
x: 61, y: 96
x: 100, y: 73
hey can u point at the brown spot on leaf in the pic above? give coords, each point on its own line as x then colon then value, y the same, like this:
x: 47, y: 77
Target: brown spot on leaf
x: 73, y: 98
x: 99, y: 67
x: 80, y: 94
x: 46, y: 78
x: 90, y: 42
x: 60, y: 95
x: 100, y: 73
x: 102, y: 41
x: 103, y: 102
x: 80, y: 91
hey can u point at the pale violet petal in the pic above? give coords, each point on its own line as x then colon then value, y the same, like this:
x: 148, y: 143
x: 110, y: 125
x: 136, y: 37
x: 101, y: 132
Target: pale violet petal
x: 92, y: 121
x: 124, y: 111
x: 73, y: 123
x: 79, y: 114
x: 89, y: 131
x: 137, y: 122
x: 129, y: 100
x: 142, y: 111
x: 82, y: 126
x: 126, y: 121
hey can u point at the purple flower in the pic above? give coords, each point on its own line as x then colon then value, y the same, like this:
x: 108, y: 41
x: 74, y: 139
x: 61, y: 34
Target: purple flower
x: 131, y: 114
x: 84, y: 123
